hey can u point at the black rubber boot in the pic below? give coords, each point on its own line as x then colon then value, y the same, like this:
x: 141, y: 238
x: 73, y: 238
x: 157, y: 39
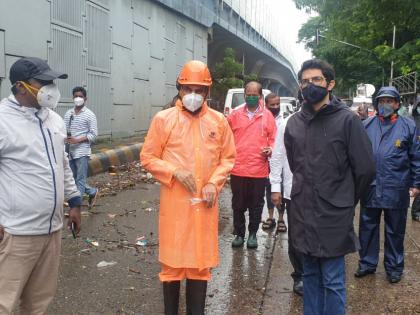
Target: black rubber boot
x: 196, y: 296
x: 171, y: 297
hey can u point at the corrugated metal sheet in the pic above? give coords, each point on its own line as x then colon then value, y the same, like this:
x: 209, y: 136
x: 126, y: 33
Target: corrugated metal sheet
x: 141, y: 12
x: 2, y: 57
x: 123, y: 120
x: 122, y: 75
x: 142, y: 105
x: 98, y: 38
x: 157, y: 79
x: 100, y: 99
x: 189, y: 35
x: 102, y: 3
x: 198, y: 47
x: 66, y: 55
x: 181, y: 37
x: 27, y: 24
x: 141, y: 53
x: 157, y: 33
x: 170, y: 62
x: 170, y: 26
x: 121, y: 22
x: 62, y: 108
x: 68, y: 13
x: 5, y: 84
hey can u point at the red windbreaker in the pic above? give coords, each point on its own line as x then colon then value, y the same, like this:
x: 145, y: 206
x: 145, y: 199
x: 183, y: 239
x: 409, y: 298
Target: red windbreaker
x: 251, y: 136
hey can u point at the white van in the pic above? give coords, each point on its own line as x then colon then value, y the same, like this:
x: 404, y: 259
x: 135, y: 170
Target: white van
x: 235, y: 97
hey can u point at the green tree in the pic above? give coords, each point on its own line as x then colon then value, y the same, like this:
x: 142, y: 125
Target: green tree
x: 228, y: 74
x: 368, y: 24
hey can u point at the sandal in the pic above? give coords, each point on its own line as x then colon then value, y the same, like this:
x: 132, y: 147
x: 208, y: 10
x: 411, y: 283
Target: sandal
x: 269, y: 224
x: 281, y: 227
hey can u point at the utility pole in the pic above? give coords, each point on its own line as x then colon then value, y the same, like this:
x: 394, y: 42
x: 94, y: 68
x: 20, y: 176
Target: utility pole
x: 392, y: 62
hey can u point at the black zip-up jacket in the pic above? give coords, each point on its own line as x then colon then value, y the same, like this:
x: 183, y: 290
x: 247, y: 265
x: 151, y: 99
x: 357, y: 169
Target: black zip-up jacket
x: 331, y: 159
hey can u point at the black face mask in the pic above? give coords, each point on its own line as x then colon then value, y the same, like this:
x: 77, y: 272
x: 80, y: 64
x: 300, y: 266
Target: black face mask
x: 274, y: 111
x: 314, y: 94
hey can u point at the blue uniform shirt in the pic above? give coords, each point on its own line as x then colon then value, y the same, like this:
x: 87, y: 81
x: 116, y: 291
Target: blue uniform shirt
x: 396, y: 149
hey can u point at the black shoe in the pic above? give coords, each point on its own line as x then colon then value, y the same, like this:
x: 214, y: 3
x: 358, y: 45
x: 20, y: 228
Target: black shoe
x: 394, y: 278
x: 362, y: 273
x: 416, y: 217
x: 195, y: 294
x: 298, y: 287
x: 238, y: 241
x: 171, y: 297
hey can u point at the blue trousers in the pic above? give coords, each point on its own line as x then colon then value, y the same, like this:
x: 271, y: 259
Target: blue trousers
x: 79, y: 168
x: 395, y: 223
x: 324, y: 285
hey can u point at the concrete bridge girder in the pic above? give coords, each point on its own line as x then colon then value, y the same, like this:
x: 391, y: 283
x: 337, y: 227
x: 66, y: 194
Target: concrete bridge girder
x: 255, y: 61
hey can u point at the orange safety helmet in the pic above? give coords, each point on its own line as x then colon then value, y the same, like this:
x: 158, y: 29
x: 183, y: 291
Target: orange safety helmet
x: 195, y: 72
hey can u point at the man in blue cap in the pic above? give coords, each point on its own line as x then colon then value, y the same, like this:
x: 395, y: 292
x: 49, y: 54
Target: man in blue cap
x: 35, y: 180
x: 397, y: 153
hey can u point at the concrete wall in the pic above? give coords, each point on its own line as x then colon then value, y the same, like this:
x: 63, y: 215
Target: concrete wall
x: 127, y: 53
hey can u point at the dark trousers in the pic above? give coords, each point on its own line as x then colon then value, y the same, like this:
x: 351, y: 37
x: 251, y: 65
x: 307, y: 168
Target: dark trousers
x: 295, y: 257
x: 415, y: 208
x: 247, y: 194
x: 324, y: 285
x: 395, y: 223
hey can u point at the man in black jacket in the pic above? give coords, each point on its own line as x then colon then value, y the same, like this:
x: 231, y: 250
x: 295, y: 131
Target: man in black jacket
x: 331, y: 159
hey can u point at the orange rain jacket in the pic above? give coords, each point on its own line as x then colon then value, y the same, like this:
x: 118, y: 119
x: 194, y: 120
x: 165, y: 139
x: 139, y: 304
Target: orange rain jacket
x: 204, y: 145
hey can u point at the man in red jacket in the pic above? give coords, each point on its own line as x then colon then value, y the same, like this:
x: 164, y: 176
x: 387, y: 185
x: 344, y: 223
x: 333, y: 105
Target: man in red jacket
x: 254, y: 130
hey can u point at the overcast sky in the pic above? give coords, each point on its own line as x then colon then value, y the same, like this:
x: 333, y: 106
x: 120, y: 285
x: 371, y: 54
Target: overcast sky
x: 279, y: 22
x: 290, y: 20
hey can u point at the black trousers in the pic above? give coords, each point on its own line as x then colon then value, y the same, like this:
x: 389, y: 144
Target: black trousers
x: 295, y: 257
x: 415, y: 208
x: 247, y: 194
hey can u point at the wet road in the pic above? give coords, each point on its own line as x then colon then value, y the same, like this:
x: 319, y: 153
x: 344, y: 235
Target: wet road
x: 246, y: 282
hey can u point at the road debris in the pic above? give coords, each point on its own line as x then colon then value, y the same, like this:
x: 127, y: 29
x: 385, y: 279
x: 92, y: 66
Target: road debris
x: 103, y: 264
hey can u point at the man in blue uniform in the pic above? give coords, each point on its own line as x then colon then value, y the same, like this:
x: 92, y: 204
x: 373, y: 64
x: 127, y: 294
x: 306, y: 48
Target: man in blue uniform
x: 397, y: 153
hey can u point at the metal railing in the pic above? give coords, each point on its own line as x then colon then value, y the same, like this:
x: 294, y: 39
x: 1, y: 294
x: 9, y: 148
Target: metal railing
x: 407, y: 84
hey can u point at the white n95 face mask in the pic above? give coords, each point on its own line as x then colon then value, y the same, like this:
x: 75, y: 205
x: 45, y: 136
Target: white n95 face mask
x: 78, y: 101
x: 192, y: 101
x: 48, y: 96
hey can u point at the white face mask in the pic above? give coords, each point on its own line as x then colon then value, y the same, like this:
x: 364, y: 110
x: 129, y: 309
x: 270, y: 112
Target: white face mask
x: 48, y: 96
x: 78, y: 101
x: 192, y: 101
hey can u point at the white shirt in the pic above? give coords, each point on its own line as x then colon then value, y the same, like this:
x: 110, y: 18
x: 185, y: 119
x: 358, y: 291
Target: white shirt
x: 278, y: 163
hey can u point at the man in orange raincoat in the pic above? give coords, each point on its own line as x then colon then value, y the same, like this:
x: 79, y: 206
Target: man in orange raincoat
x: 190, y: 149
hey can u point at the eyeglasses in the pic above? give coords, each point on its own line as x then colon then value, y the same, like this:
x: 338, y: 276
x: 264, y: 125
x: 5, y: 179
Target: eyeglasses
x: 315, y: 80
x: 194, y: 90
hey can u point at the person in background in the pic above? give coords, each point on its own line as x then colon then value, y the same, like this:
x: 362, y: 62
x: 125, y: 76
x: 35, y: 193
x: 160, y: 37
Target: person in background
x: 82, y: 131
x: 35, y: 180
x: 190, y: 149
x: 281, y: 179
x: 272, y: 102
x: 254, y: 129
x: 396, y: 148
x: 415, y: 207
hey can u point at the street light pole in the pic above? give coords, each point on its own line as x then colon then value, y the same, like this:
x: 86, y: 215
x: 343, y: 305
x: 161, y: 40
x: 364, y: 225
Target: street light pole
x: 392, y: 62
